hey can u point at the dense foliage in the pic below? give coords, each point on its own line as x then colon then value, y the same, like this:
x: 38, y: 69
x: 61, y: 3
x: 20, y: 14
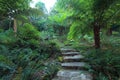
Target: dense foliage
x: 104, y: 62
x: 24, y: 54
x: 30, y: 37
x: 90, y: 17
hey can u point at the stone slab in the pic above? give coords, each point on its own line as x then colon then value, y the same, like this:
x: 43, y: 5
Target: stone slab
x: 73, y: 57
x: 73, y: 64
x: 73, y: 75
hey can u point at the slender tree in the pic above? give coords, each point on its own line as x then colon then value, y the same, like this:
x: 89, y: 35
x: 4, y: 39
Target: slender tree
x: 11, y: 8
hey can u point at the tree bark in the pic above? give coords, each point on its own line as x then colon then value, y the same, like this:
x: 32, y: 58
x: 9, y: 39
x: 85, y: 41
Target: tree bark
x: 15, y: 26
x: 96, y: 29
x: 109, y: 32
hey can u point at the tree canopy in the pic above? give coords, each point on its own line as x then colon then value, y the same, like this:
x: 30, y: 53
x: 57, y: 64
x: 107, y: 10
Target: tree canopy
x: 89, y: 15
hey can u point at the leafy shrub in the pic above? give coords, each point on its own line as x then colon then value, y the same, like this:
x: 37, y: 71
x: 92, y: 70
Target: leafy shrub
x: 23, y: 54
x: 7, y: 37
x: 5, y: 65
x: 111, y: 42
x: 47, y: 35
x: 28, y: 35
x: 28, y: 32
x: 1, y: 30
x: 105, y: 62
x: 50, y: 70
x: 49, y: 47
x: 4, y: 50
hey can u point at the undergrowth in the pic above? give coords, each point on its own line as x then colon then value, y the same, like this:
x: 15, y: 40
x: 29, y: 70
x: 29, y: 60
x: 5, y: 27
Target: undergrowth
x: 24, y: 55
x: 104, y: 62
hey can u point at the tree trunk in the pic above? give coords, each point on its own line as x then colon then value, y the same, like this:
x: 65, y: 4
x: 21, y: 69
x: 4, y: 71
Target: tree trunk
x: 96, y: 29
x: 109, y: 32
x: 15, y: 26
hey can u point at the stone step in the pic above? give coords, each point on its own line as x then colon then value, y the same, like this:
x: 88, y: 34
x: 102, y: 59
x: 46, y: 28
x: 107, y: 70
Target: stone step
x: 56, y: 78
x: 70, y: 53
x: 67, y: 50
x: 73, y: 57
x: 73, y: 75
x: 76, y: 58
x: 74, y: 65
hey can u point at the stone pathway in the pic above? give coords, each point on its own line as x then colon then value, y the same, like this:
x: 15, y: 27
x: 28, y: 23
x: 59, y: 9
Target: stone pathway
x: 73, y: 66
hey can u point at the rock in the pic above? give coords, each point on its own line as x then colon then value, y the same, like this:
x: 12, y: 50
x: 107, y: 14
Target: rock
x: 73, y: 64
x: 70, y: 53
x: 73, y: 75
x: 73, y: 57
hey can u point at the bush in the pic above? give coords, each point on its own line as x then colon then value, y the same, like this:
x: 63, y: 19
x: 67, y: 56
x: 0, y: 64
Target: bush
x: 28, y: 35
x: 24, y: 53
x: 50, y: 48
x: 7, y: 37
x: 28, y: 31
x: 104, y: 63
x: 1, y: 30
